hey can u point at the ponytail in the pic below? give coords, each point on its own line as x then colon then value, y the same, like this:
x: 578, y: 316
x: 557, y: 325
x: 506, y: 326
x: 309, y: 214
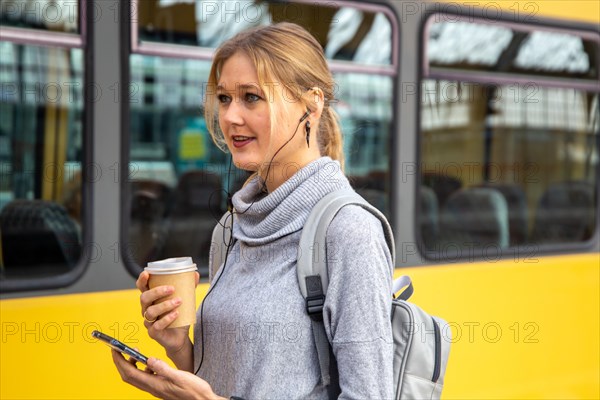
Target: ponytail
x: 330, y: 136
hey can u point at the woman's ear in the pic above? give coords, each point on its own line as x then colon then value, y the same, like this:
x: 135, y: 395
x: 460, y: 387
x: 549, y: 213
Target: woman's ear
x: 316, y: 100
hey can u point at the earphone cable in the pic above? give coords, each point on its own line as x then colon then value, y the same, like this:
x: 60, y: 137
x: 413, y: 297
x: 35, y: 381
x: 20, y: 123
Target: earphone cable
x: 229, y: 242
x: 264, y: 181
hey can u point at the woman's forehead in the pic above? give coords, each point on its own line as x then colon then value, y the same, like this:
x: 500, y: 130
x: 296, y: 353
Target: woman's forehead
x: 238, y: 73
x: 237, y: 70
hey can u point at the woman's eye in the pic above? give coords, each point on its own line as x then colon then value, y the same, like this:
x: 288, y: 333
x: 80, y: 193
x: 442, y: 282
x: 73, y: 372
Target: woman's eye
x: 252, y: 98
x: 223, y: 99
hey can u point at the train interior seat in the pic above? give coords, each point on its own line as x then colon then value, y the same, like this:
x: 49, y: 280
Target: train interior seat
x: 566, y: 213
x: 475, y: 217
x: 372, y: 188
x: 197, y: 207
x: 238, y: 180
x: 149, y: 200
x: 39, y: 238
x: 429, y: 218
x: 518, y: 212
x: 149, y: 206
x: 197, y: 193
x: 443, y: 185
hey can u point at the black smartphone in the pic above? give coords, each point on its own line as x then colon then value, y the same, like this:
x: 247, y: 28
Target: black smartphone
x: 120, y: 346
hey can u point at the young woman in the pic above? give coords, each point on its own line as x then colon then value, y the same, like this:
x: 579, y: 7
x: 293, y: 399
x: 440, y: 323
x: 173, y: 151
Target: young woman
x: 271, y: 91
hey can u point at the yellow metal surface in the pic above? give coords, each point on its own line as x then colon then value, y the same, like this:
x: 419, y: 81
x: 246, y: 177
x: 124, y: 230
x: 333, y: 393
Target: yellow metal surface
x: 525, y: 10
x: 526, y: 328
x: 47, y: 351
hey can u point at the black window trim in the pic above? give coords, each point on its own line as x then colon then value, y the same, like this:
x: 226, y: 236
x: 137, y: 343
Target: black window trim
x: 84, y: 42
x: 519, y: 253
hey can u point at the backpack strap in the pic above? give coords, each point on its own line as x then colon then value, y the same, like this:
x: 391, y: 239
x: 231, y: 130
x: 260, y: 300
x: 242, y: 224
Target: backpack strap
x: 403, y: 282
x: 313, y: 277
x: 218, y: 248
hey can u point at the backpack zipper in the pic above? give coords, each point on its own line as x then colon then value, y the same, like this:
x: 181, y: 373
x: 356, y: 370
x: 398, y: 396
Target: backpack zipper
x: 438, y: 352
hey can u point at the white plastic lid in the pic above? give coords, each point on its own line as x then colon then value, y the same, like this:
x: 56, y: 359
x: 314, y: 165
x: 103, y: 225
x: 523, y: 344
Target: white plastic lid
x: 171, y: 266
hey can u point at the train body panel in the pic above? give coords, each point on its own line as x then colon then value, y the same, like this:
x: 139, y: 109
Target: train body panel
x: 506, y: 341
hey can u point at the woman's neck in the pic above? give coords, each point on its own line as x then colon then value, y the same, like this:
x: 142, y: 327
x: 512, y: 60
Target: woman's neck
x: 279, y: 172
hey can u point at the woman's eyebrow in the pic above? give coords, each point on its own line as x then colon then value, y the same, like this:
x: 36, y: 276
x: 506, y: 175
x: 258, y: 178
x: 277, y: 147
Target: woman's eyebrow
x: 248, y: 86
x: 239, y: 86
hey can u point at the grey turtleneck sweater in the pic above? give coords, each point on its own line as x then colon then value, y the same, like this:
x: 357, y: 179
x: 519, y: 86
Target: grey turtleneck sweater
x: 258, y: 341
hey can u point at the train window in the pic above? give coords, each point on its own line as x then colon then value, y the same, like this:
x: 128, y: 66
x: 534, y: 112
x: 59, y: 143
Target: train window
x: 40, y: 156
x: 346, y: 33
x: 178, y: 176
x: 509, y: 139
x: 460, y: 45
x: 55, y: 16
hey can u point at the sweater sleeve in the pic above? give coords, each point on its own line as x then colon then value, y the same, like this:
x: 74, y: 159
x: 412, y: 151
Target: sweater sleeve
x: 358, y: 304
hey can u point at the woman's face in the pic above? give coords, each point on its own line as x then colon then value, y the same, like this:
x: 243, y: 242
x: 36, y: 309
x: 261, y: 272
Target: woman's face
x: 245, y: 120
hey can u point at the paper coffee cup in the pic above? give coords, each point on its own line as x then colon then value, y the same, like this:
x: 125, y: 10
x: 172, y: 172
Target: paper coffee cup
x: 180, y: 273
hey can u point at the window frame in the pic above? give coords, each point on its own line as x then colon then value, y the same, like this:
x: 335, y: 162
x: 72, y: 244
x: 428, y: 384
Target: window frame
x: 84, y: 41
x: 204, y: 53
x: 50, y: 38
x: 507, y: 78
x: 130, y: 30
x: 528, y: 251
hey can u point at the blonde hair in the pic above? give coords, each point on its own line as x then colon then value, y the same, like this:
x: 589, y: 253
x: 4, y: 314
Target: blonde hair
x: 283, y: 54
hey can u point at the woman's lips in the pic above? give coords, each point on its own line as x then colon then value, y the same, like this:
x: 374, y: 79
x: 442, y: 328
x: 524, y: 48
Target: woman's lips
x: 241, y: 141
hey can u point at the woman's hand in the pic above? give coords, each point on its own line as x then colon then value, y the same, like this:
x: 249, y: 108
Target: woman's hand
x: 163, y: 381
x: 158, y: 316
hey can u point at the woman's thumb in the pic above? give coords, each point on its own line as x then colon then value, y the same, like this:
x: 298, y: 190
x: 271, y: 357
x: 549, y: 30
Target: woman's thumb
x: 160, y: 367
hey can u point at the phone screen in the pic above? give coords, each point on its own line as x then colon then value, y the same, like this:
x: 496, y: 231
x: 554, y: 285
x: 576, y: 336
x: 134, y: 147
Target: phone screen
x: 120, y: 346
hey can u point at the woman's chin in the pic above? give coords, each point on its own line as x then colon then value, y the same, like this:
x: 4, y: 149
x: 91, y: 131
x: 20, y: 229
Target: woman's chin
x: 245, y: 164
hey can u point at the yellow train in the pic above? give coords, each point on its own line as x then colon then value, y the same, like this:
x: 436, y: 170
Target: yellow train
x: 474, y: 126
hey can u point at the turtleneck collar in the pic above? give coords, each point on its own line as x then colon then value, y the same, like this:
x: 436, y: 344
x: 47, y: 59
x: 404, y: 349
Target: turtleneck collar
x: 262, y: 219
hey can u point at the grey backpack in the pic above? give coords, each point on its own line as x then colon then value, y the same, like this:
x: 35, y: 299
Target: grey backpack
x: 421, y: 342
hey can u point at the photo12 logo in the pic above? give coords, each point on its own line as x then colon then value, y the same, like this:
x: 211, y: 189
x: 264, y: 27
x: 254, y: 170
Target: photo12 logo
x: 65, y: 331
x: 474, y: 331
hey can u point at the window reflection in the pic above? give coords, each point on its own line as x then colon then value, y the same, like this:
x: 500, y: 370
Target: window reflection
x: 345, y: 33
x: 179, y: 178
x: 452, y: 43
x: 467, y: 45
x: 41, y: 137
x: 512, y: 164
x: 549, y: 51
x: 50, y: 15
x: 507, y: 165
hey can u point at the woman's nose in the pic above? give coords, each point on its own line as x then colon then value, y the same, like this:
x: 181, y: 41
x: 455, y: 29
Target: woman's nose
x: 233, y: 114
